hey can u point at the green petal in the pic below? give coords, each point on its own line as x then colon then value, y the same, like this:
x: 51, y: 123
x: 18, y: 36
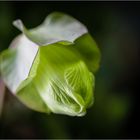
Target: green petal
x: 87, y: 47
x: 16, y: 62
x: 53, y: 81
x: 57, y: 27
x: 15, y: 65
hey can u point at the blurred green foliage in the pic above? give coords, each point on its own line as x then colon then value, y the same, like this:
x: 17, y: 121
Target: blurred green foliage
x: 112, y: 27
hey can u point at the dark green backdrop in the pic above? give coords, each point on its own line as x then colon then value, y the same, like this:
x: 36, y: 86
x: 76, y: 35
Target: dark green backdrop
x: 116, y: 28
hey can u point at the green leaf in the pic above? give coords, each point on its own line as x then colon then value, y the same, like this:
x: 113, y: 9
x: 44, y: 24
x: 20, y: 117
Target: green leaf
x: 50, y: 68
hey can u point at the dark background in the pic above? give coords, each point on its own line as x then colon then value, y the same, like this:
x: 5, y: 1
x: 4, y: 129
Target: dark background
x: 115, y: 114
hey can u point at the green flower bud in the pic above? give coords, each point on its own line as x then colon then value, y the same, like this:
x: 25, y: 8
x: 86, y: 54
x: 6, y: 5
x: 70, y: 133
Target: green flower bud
x: 51, y: 68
